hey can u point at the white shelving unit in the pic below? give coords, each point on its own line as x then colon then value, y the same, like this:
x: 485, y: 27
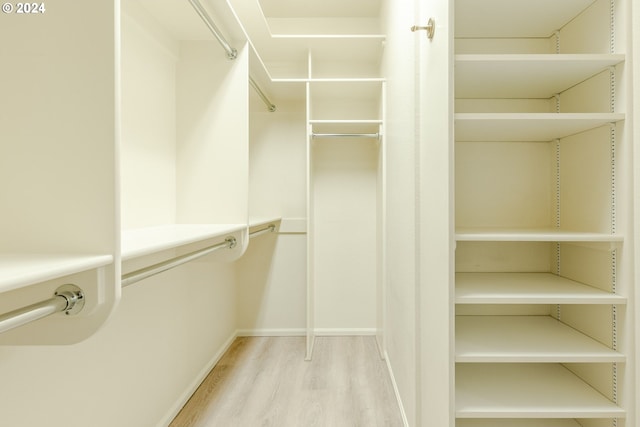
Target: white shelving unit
x: 527, y: 126
x: 490, y: 390
x: 526, y: 339
x: 193, y: 118
x: 501, y: 75
x: 528, y: 288
x: 151, y: 240
x: 58, y: 160
x: 487, y: 234
x: 540, y: 298
x: 20, y: 270
x: 345, y: 198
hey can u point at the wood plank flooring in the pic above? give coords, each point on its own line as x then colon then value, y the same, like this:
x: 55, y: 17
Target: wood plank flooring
x: 265, y: 381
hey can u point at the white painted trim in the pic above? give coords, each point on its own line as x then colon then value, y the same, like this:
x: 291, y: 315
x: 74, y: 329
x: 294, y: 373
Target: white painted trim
x: 405, y: 422
x: 340, y: 332
x: 188, y: 392
x: 292, y: 332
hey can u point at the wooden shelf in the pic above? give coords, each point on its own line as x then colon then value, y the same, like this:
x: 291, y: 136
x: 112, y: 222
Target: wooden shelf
x: 509, y: 339
x: 502, y: 76
x: 527, y: 288
x: 525, y: 19
x: 523, y: 390
x: 517, y: 423
x: 149, y: 240
x: 527, y: 126
x: 480, y: 234
x: 21, y: 270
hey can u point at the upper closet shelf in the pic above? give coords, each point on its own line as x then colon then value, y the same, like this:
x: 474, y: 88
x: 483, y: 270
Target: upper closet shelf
x: 149, y: 240
x: 540, y: 18
x: 20, y: 270
x: 517, y: 339
x: 522, y: 390
x: 531, y: 235
x: 528, y: 288
x: 286, y: 33
x: 525, y: 76
x: 527, y: 126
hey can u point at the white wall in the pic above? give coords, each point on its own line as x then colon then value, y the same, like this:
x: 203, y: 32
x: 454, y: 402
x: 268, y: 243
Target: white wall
x: 272, y: 286
x: 399, y: 66
x: 345, y: 200
x: 138, y: 369
x: 277, y: 161
x: 272, y: 272
x: 148, y: 149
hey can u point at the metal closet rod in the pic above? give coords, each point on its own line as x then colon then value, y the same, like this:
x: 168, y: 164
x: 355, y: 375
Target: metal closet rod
x: 232, y: 53
x: 264, y: 98
x: 152, y: 270
x: 67, y: 298
x: 268, y: 229
x: 345, y: 135
x: 70, y: 298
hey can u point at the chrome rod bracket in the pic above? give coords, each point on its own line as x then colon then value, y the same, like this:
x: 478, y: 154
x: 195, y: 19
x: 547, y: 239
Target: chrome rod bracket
x: 74, y: 298
x: 430, y: 28
x: 232, y: 54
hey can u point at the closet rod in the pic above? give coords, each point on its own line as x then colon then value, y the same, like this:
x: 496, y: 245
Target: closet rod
x: 152, y: 270
x: 269, y: 229
x: 268, y: 103
x: 232, y: 53
x: 346, y: 135
x: 68, y: 298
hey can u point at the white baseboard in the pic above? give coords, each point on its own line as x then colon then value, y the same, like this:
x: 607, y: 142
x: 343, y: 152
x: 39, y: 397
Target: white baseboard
x: 292, y: 332
x: 339, y: 332
x: 405, y: 422
x: 184, y: 397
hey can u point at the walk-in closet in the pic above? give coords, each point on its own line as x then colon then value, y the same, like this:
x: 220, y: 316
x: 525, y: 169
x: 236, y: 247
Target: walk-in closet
x: 327, y: 212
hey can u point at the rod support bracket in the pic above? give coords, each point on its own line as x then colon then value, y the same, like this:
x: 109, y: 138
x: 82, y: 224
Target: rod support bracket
x: 74, y: 297
x: 233, y: 54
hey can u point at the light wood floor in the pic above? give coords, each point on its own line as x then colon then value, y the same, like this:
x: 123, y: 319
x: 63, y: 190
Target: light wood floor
x: 264, y: 381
